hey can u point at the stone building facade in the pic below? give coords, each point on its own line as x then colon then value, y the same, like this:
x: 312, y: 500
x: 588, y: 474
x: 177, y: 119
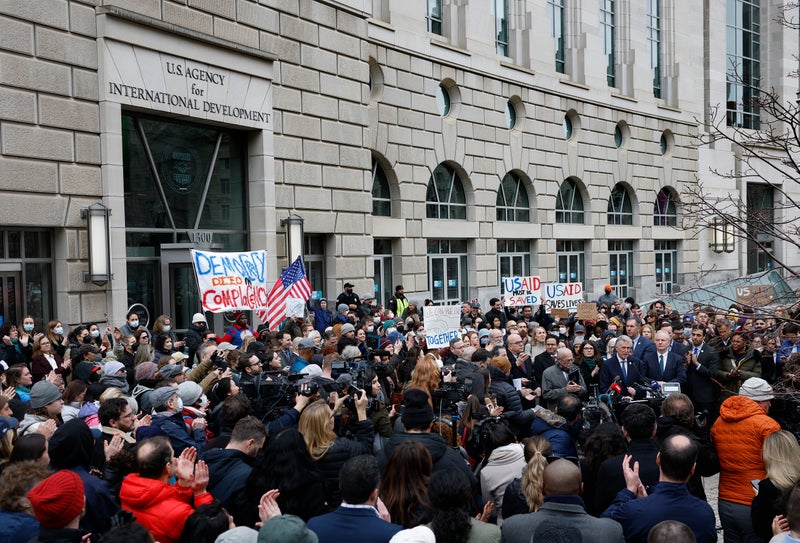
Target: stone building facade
x: 435, y: 143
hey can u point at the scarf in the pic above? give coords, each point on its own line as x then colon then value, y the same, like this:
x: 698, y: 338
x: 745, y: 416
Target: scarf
x: 589, y: 362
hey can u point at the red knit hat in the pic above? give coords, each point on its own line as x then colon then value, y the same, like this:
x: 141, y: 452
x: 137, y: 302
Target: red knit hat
x: 57, y: 500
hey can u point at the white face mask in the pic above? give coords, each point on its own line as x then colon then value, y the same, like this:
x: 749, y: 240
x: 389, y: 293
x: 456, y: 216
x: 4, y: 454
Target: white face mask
x: 167, y: 328
x: 562, y: 331
x: 370, y: 329
x: 59, y: 330
x: 133, y: 324
x: 95, y: 333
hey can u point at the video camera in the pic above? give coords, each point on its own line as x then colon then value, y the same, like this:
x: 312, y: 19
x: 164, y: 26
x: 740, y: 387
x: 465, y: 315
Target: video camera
x: 270, y: 398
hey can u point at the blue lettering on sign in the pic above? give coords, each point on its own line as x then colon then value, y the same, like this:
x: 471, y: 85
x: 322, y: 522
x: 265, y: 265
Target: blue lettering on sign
x: 511, y: 284
x: 250, y: 265
x: 440, y: 339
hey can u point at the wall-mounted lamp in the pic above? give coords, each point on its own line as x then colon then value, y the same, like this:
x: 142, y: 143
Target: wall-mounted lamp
x: 96, y: 216
x: 294, y: 236
x: 723, y: 239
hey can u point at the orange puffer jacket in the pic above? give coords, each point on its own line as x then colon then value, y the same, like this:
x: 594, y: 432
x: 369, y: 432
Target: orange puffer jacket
x: 161, y: 508
x: 739, y: 435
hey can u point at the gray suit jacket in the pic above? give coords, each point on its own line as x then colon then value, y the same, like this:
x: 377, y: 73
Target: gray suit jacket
x: 554, y: 385
x: 520, y: 528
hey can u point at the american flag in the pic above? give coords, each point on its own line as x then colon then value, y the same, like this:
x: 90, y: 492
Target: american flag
x: 292, y: 283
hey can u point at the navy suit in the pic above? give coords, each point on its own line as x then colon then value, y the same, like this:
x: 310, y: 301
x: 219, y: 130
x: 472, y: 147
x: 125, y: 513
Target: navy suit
x: 674, y: 370
x: 353, y: 524
x: 701, y: 387
x: 644, y: 349
x: 611, y: 368
x: 678, y: 347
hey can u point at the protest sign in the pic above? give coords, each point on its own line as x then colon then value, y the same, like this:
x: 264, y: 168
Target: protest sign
x: 754, y: 295
x: 521, y: 291
x: 587, y: 311
x: 441, y: 324
x: 562, y: 296
x: 231, y: 281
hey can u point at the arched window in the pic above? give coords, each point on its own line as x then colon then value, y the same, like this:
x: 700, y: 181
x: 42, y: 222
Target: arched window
x: 381, y: 196
x: 512, y: 200
x: 665, y: 211
x: 569, y: 203
x: 620, y: 209
x: 445, y: 198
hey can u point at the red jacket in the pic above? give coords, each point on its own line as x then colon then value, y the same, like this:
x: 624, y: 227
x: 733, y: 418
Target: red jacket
x: 739, y: 435
x: 159, y: 507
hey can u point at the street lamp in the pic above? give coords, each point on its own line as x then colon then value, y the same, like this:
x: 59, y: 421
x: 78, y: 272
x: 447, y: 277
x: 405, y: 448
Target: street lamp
x: 294, y: 236
x: 96, y: 216
x: 723, y: 241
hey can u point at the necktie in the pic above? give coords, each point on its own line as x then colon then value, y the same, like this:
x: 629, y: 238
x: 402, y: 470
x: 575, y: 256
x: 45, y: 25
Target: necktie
x: 624, y: 366
x: 696, y: 351
x: 661, y: 363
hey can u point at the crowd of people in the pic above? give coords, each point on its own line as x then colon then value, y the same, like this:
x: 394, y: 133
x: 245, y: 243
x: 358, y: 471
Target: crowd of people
x: 342, y: 423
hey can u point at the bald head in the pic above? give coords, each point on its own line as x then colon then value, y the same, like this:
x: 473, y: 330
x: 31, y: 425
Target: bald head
x: 514, y: 343
x: 562, y: 477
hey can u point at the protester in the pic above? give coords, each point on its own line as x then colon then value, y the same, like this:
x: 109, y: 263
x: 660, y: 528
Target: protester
x: 357, y: 515
x: 163, y: 508
x: 58, y: 504
x: 739, y: 434
x: 780, y: 453
x: 562, y: 509
x: 639, y: 510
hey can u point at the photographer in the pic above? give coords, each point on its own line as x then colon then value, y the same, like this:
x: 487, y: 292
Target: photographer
x: 330, y: 451
x: 376, y: 408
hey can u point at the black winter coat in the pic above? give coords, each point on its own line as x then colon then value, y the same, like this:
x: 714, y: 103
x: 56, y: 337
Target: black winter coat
x: 341, y: 450
x: 228, y: 471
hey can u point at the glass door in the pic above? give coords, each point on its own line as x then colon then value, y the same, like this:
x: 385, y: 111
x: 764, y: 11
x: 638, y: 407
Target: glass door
x: 10, y: 297
x: 180, y: 297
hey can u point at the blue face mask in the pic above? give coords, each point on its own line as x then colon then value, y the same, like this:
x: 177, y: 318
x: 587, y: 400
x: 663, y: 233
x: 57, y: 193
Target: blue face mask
x: 95, y: 333
x: 27, y: 327
x: 180, y: 404
x: 134, y: 324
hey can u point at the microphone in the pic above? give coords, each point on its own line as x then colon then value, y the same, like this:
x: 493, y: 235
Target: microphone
x: 616, y: 386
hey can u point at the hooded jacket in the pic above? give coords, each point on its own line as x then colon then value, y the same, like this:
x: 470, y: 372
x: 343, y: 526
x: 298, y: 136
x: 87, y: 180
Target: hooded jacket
x: 323, y: 318
x: 561, y: 435
x: 30, y: 424
x: 505, y: 464
x: 71, y: 448
x: 443, y: 456
x: 159, y: 507
x: 739, y: 435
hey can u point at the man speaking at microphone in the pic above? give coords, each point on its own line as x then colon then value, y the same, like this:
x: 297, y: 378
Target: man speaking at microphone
x: 622, y: 365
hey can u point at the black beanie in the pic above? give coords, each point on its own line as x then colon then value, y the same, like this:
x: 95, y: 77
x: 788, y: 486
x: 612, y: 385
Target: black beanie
x: 417, y: 412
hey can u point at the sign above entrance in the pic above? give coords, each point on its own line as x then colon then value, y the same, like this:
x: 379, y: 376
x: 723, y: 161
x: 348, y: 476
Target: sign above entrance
x: 231, y: 281
x: 137, y: 76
